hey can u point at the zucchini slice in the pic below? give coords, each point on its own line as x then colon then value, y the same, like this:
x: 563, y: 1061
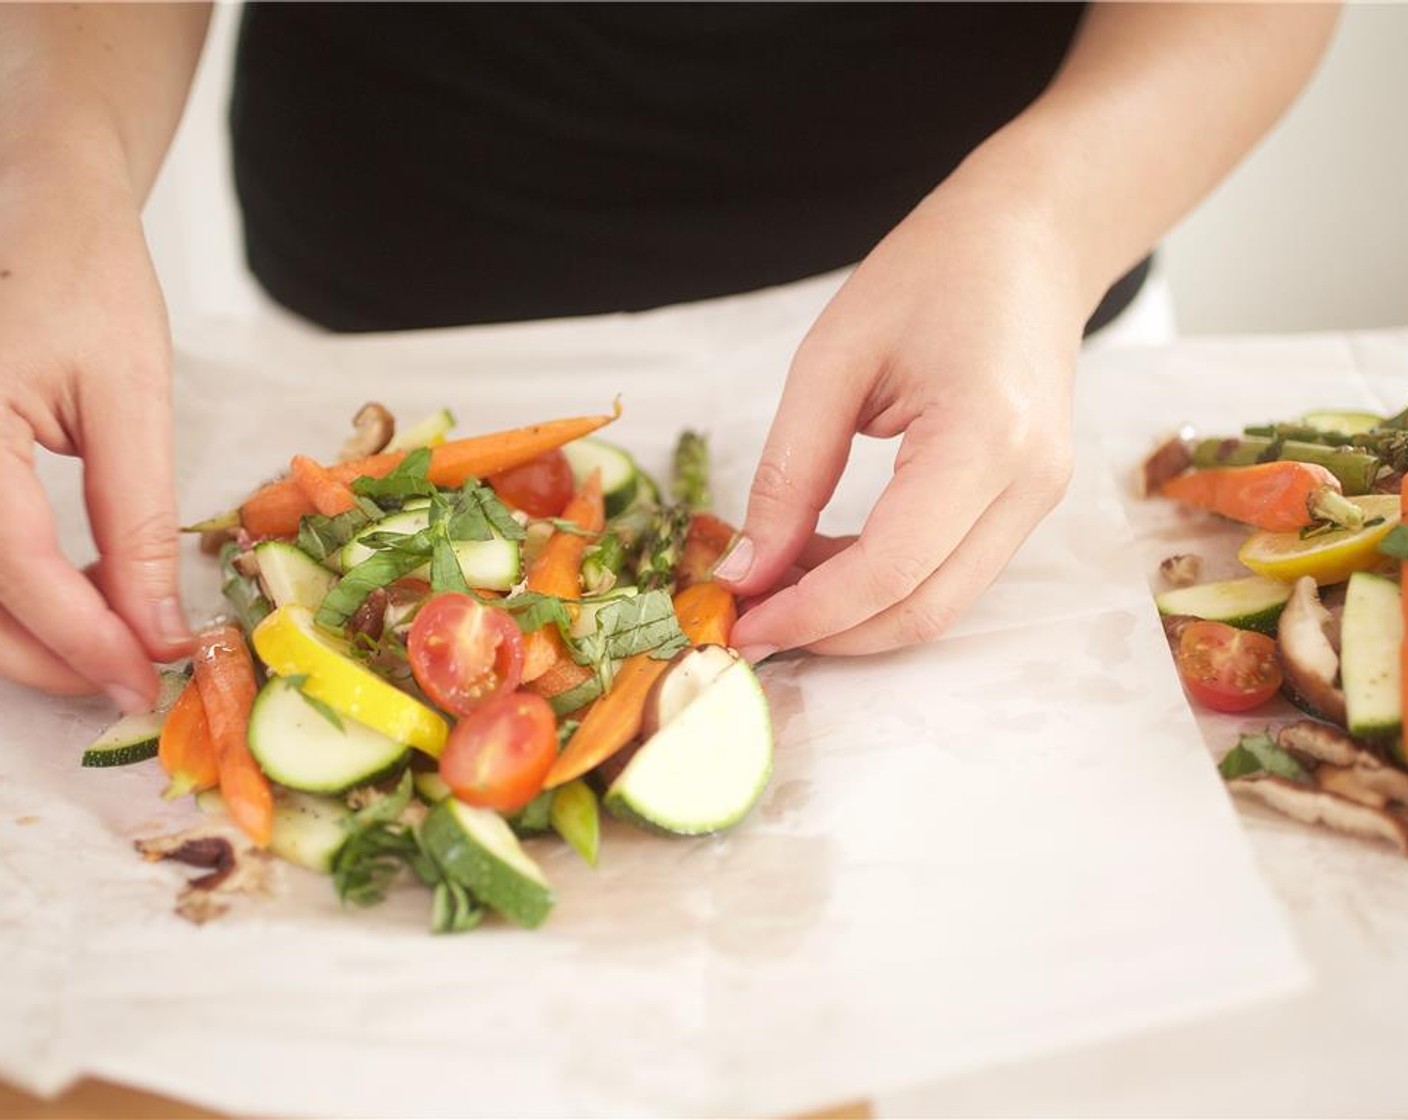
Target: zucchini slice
x: 135, y: 738
x: 704, y: 769
x: 309, y: 831
x: 1371, y: 640
x: 297, y: 743
x: 494, y: 564
x: 477, y: 849
x: 620, y: 477
x: 1249, y: 603
x: 290, y: 575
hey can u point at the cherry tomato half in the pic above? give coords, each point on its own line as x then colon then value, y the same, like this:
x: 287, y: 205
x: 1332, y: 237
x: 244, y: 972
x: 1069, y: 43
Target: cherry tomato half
x: 499, y: 754
x: 541, y: 487
x: 1227, y: 669
x: 462, y: 653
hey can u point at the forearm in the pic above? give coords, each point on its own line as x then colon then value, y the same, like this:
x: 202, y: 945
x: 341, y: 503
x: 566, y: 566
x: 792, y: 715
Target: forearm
x: 1154, y: 104
x: 98, y: 87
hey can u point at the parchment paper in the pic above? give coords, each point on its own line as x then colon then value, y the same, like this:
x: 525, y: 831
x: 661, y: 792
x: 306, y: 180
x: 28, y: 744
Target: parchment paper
x: 1335, y: 1048
x: 1005, y: 843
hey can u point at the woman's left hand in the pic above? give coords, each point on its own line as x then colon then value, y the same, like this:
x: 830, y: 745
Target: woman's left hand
x: 959, y: 332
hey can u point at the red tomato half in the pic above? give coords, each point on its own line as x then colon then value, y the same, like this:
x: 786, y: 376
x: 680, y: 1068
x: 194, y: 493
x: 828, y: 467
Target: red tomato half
x: 1227, y: 669
x: 541, y: 487
x: 498, y: 755
x: 462, y: 653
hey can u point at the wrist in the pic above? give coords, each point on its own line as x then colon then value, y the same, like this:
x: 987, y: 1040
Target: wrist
x: 1026, y: 172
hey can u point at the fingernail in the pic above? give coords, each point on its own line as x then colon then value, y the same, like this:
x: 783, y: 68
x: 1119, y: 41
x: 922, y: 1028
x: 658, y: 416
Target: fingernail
x: 736, y: 563
x: 171, y: 622
x: 131, y: 702
x: 754, y: 654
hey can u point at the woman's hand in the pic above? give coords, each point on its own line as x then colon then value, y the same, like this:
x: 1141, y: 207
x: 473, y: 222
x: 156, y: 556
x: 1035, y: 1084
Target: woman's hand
x: 960, y: 332
x: 85, y: 371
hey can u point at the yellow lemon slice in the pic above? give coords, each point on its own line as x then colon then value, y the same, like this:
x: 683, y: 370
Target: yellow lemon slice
x: 290, y: 644
x: 1330, y: 557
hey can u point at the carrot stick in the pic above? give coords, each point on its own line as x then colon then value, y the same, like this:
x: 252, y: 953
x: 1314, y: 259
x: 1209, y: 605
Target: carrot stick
x: 328, y: 495
x: 1403, y: 649
x: 274, y: 510
x: 707, y: 540
x: 1280, y: 496
x: 557, y: 570
x: 706, y: 613
x: 225, y: 677
x: 186, y: 751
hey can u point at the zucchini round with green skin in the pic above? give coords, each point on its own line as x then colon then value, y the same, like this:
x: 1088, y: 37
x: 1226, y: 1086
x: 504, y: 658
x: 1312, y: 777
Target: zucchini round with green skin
x: 620, y: 477
x: 493, y: 564
x: 477, y: 849
x: 706, y: 768
x: 308, y: 831
x: 1371, y: 641
x: 297, y: 743
x: 135, y: 738
x: 1249, y: 603
x: 290, y: 575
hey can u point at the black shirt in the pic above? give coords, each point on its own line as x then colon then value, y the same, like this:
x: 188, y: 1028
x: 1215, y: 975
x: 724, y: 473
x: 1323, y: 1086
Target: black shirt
x: 412, y: 165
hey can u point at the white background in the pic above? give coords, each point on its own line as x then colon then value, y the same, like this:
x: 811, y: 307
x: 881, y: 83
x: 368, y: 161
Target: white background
x: 1311, y: 233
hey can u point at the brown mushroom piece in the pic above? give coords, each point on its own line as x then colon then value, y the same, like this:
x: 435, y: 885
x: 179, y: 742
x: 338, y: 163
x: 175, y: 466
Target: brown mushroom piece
x: 1343, y: 765
x: 1308, y: 656
x: 689, y: 674
x: 373, y: 427
x: 1317, y: 806
x: 1169, y: 459
x: 1182, y: 570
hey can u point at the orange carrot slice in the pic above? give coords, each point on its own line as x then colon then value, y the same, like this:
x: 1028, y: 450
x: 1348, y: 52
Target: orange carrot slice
x: 225, y: 677
x: 275, y: 510
x: 706, y: 614
x: 185, y: 750
x: 1280, y: 497
x: 328, y: 495
x: 557, y: 570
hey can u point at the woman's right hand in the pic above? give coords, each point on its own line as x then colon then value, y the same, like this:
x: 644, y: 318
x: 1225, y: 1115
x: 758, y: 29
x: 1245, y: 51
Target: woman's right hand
x: 84, y: 370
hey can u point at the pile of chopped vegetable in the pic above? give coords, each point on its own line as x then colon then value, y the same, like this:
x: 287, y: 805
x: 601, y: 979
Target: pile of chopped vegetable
x: 439, y: 647
x: 1319, y: 619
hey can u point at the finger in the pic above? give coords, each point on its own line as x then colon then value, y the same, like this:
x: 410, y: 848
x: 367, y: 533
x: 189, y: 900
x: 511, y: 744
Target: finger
x: 816, y: 551
x: 822, y: 548
x: 131, y: 501
x: 940, y: 488
x: 26, y: 660
x: 944, y: 596
x: 55, y: 603
x: 802, y: 461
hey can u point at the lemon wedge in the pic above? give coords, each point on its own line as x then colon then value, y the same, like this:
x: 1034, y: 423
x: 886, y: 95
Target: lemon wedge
x: 291, y: 644
x: 1329, y: 557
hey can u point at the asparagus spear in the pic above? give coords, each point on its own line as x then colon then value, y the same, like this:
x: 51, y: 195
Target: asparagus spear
x: 690, y: 483
x: 662, y: 547
x: 1388, y: 443
x: 1356, y: 470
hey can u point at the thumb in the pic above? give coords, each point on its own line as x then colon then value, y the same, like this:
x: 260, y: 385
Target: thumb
x: 802, y: 460
x: 130, y: 492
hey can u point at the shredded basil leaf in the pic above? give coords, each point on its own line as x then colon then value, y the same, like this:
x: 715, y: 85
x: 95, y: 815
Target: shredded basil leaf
x: 533, y: 610
x: 322, y: 708
x: 1395, y: 543
x: 351, y: 591
x: 476, y: 514
x: 1258, y: 754
x: 445, y: 571
x: 320, y: 537
x: 644, y: 623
